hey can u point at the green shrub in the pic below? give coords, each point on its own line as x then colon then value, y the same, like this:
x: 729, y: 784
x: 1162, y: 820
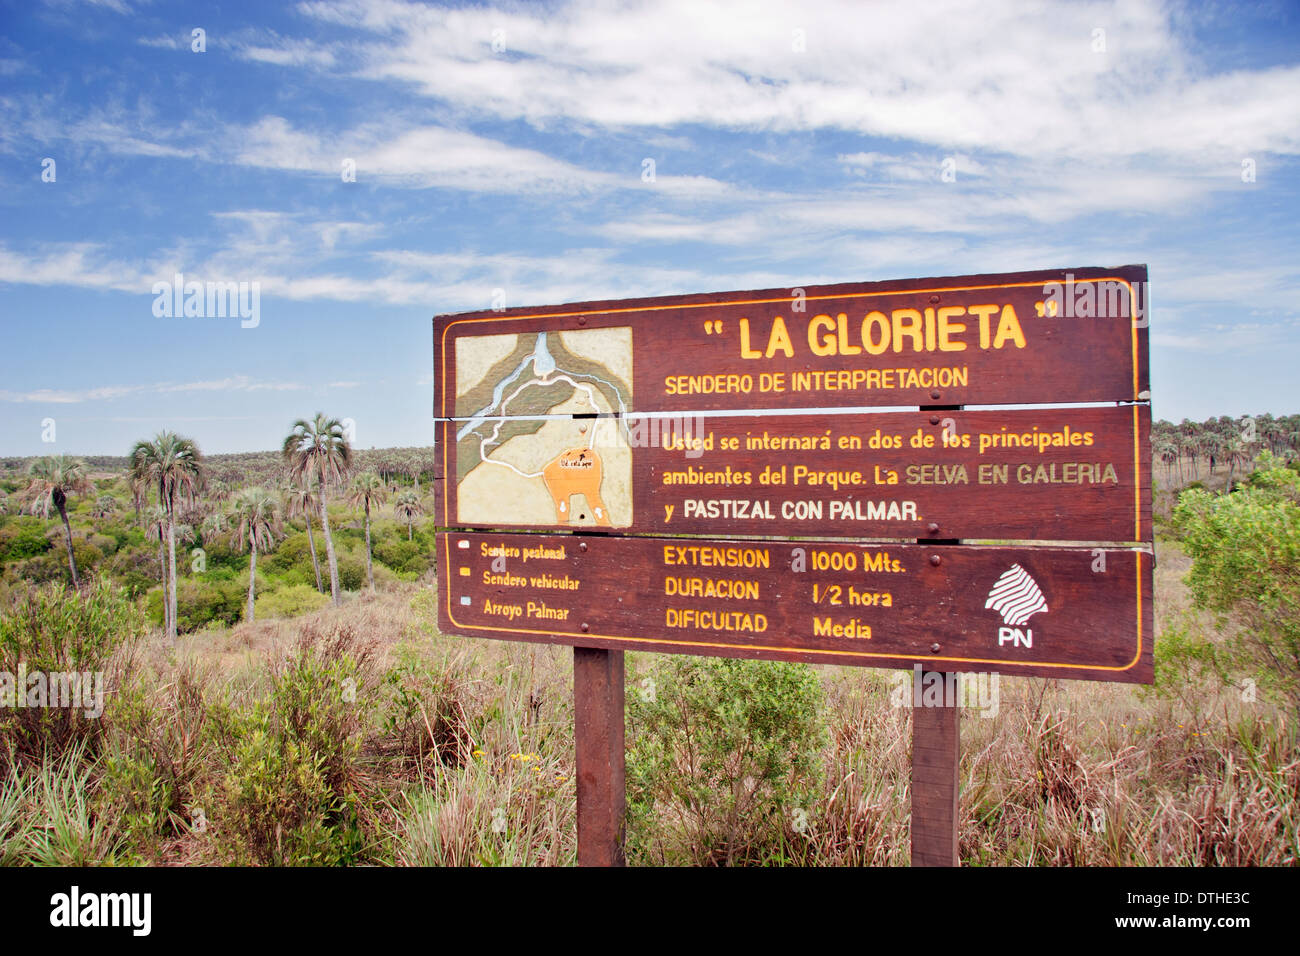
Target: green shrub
x: 153, y: 756
x: 87, y: 554
x: 22, y: 538
x: 406, y: 557
x: 428, y: 717
x: 290, y: 601
x: 1245, y: 550
x: 203, y: 603
x: 132, y: 568
x: 55, y: 630
x: 718, y: 750
x: 106, y: 544
x: 293, y: 554
x: 291, y: 790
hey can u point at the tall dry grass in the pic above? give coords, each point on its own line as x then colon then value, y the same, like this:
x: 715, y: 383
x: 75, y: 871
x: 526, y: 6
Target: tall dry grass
x: 461, y: 753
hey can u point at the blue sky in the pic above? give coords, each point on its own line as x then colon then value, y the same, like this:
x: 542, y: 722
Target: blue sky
x: 503, y: 147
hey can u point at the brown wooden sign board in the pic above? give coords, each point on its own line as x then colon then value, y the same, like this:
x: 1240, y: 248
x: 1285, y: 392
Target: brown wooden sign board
x: 1078, y: 474
x: 1023, y: 338
x: 599, y: 425
x: 1047, y: 612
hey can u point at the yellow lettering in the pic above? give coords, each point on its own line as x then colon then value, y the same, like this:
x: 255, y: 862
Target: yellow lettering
x: 745, y: 351
x: 845, y: 347
x: 912, y: 328
x: 948, y: 328
x: 874, y: 319
x: 779, y: 339
x: 1009, y: 328
x: 827, y: 344
x: 983, y: 311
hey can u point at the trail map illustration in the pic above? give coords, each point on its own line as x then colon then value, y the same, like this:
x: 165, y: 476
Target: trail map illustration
x: 514, y: 467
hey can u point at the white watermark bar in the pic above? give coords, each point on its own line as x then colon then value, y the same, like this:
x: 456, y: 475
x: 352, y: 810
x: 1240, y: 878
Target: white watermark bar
x: 975, y: 690
x: 70, y: 690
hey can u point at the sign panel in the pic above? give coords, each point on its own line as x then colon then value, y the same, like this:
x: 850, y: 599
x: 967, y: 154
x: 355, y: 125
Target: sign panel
x: 1029, y: 474
x: 611, y: 426
x: 1024, y: 338
x: 1051, y: 612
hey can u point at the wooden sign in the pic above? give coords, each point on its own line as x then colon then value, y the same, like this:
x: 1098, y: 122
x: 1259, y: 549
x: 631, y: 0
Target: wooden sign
x: 629, y: 436
x: 1032, y: 474
x: 1025, y: 338
x: 1048, y: 612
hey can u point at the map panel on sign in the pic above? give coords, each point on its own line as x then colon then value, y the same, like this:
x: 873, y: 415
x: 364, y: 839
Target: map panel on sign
x: 541, y: 437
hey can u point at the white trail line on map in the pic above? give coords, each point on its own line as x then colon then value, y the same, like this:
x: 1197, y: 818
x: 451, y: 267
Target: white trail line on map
x: 496, y: 430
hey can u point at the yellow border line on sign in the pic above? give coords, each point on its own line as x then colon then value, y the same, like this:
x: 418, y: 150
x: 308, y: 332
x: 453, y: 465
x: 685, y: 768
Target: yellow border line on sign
x: 1137, y: 657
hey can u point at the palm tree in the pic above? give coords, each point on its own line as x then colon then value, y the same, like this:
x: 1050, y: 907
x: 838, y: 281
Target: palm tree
x: 367, y: 489
x: 408, y: 508
x: 1235, y: 448
x: 213, y: 525
x: 104, y: 506
x: 172, y: 465
x: 320, y: 448
x: 300, y: 499
x: 53, y: 478
x: 255, y: 513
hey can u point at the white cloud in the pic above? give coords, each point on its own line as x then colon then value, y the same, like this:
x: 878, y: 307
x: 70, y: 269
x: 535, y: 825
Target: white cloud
x: 948, y: 73
x: 66, y: 396
x: 168, y: 41
x: 281, y: 52
x: 436, y: 156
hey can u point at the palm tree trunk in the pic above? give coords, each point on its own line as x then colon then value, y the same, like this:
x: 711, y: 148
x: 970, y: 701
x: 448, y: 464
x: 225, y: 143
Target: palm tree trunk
x: 370, y: 570
x: 408, y: 531
x: 311, y: 543
x: 252, y: 578
x: 162, y: 574
x: 329, y: 543
x: 67, y: 530
x: 171, y: 575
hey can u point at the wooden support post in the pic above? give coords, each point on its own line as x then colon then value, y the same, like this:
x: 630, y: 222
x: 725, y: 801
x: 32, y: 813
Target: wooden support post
x: 598, y: 739
x: 935, y: 752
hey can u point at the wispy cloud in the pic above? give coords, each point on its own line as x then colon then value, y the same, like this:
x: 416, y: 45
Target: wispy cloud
x: 234, y: 383
x: 949, y: 73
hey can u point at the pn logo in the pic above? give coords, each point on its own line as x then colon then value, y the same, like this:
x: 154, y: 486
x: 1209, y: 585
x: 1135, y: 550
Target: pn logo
x: 1016, y: 596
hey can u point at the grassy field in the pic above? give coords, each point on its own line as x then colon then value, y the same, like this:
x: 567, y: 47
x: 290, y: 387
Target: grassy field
x: 357, y: 734
x: 362, y: 735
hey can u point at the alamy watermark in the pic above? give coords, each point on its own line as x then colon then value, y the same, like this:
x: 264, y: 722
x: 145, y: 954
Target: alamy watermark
x: 977, y: 690
x: 212, y: 300
x: 74, y: 690
x: 1100, y: 299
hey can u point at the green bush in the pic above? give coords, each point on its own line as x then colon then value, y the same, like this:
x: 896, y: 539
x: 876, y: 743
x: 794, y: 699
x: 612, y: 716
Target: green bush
x: 202, y: 603
x: 290, y: 793
x: 290, y: 601
x: 55, y: 630
x: 22, y: 538
x: 405, y: 557
x: 153, y: 756
x: 718, y: 750
x: 1245, y: 550
x: 88, y: 555
x: 294, y: 554
x: 106, y: 544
